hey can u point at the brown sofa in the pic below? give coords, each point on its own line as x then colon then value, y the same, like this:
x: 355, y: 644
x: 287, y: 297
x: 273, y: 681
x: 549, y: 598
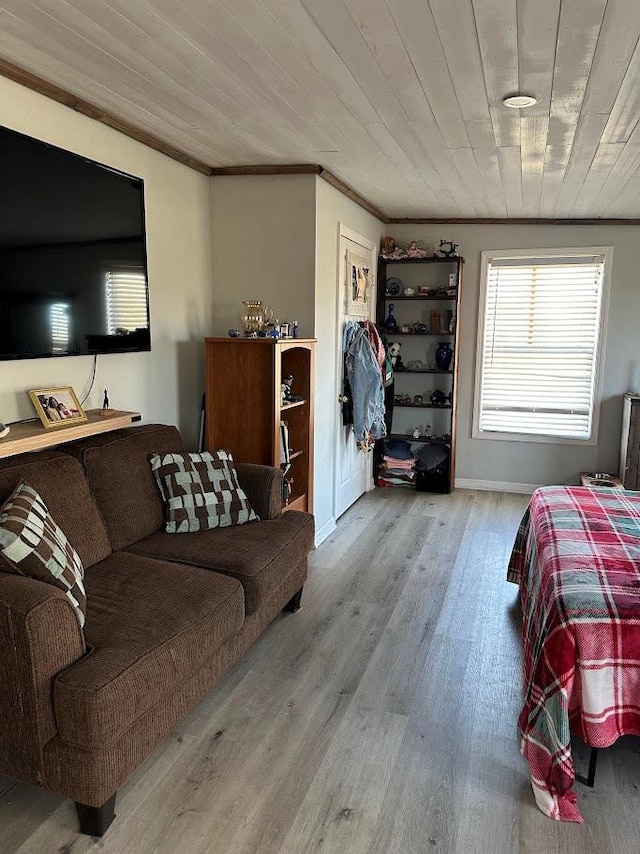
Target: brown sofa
x: 167, y: 614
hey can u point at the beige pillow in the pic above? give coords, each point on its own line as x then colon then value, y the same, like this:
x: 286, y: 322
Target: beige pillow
x: 34, y: 545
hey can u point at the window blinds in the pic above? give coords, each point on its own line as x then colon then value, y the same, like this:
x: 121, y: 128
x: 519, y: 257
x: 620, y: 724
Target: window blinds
x: 126, y: 300
x: 59, y: 318
x: 541, y: 332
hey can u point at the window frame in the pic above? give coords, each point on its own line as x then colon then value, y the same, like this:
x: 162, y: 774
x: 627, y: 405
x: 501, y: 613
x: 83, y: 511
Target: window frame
x: 560, y: 252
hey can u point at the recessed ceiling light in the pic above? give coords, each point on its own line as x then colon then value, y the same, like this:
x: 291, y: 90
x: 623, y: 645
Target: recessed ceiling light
x: 517, y: 102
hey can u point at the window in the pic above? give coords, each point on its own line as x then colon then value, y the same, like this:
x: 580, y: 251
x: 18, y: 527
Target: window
x: 59, y: 320
x: 541, y: 329
x: 126, y: 291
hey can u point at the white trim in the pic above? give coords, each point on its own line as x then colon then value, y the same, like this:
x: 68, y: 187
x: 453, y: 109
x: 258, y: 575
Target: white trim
x: 350, y: 234
x: 325, y: 531
x: 344, y: 231
x: 578, y: 251
x: 496, y: 485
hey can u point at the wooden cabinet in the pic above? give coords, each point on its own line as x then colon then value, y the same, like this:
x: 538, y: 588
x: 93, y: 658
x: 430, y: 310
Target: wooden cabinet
x: 244, y: 410
x: 630, y: 444
x: 425, y: 295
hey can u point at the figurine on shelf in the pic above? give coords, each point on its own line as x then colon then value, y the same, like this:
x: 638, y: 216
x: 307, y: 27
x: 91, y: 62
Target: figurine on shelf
x: 285, y: 388
x: 438, y: 398
x: 451, y: 251
x: 388, y: 245
x: 415, y: 251
x: 391, y: 252
x: 106, y: 411
x: 394, y: 353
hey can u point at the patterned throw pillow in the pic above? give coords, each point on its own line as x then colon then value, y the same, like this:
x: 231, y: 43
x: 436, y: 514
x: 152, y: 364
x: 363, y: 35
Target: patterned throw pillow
x: 34, y: 545
x: 201, y: 491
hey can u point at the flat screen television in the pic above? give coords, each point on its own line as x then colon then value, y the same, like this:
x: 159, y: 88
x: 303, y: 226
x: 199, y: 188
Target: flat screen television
x: 73, y: 261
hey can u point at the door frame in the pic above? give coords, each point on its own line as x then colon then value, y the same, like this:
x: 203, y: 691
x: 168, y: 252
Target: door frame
x: 372, y: 247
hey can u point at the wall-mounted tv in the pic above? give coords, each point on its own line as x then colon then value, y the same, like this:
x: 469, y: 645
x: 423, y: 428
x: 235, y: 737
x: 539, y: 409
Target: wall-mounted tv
x: 73, y: 261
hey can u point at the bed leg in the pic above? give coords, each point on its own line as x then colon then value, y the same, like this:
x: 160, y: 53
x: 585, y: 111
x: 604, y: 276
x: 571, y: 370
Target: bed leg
x: 590, y: 779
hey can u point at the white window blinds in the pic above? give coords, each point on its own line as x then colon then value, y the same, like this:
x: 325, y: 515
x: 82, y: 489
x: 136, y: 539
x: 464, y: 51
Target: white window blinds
x: 59, y: 319
x: 126, y: 291
x: 542, y: 319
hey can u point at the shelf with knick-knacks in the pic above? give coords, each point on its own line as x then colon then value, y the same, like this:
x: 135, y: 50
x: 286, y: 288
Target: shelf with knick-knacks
x: 418, y: 310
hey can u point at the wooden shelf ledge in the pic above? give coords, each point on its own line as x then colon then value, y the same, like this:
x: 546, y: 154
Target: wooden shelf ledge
x: 32, y: 436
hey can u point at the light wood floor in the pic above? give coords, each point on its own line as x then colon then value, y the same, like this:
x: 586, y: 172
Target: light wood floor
x: 378, y: 720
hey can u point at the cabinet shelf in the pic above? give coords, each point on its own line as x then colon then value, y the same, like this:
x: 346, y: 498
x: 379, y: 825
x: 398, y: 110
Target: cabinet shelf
x: 420, y: 371
x: 419, y: 334
x: 431, y: 298
x: 443, y: 309
x: 425, y: 440
x: 423, y: 405
x: 245, y: 412
x: 433, y: 260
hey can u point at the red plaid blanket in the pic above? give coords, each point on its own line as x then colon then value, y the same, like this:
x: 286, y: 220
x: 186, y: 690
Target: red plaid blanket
x: 577, y: 560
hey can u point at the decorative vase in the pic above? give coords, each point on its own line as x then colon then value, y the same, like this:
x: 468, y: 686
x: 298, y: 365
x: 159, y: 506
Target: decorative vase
x: 255, y: 316
x: 390, y: 323
x: 444, y: 355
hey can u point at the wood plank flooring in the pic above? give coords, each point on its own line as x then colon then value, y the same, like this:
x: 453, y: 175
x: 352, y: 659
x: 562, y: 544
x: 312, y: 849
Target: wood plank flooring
x: 378, y: 720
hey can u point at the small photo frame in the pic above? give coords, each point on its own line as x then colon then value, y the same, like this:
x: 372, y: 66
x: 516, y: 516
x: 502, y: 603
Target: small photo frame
x: 58, y: 407
x: 359, y: 285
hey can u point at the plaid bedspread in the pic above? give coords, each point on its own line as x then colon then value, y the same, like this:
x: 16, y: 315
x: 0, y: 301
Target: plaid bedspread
x: 577, y: 560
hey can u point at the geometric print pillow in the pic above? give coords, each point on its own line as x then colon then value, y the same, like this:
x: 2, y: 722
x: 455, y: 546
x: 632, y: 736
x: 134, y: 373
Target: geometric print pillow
x: 201, y: 491
x: 35, y: 546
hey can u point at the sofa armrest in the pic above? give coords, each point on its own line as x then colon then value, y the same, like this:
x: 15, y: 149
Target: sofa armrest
x: 263, y: 485
x: 39, y: 638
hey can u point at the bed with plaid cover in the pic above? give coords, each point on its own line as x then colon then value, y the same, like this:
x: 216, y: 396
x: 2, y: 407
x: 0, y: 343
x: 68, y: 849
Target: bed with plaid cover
x: 576, y: 559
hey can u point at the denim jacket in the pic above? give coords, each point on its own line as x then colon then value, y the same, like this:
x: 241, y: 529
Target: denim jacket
x: 365, y: 379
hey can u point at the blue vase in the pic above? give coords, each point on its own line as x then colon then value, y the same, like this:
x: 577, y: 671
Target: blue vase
x: 390, y: 323
x: 444, y: 355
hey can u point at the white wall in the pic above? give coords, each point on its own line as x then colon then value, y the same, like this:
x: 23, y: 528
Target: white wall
x: 275, y: 238
x: 263, y: 247
x: 332, y: 209
x: 165, y: 384
x: 542, y: 463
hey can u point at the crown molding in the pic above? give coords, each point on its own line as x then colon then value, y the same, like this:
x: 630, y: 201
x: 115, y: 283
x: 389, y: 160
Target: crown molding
x: 506, y: 221
x: 268, y: 169
x: 346, y: 190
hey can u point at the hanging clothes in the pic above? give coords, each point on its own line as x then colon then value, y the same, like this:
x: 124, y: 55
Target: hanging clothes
x: 362, y: 370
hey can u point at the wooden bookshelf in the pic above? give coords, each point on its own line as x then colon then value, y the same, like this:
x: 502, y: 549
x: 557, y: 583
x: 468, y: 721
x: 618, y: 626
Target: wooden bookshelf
x: 244, y: 408
x: 32, y: 436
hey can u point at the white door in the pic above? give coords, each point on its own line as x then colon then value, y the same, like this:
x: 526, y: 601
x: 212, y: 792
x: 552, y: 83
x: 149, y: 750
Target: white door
x: 353, y: 469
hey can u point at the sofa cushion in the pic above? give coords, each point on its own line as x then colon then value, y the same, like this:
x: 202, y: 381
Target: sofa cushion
x: 118, y: 470
x: 151, y: 625
x: 200, y: 491
x: 260, y: 556
x: 36, y: 546
x: 60, y: 481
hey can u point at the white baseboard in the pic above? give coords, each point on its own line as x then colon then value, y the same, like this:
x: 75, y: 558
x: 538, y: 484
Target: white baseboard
x: 323, y: 532
x: 496, y: 485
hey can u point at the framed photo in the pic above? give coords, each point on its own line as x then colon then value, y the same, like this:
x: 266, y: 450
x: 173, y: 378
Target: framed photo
x: 359, y: 285
x: 58, y: 407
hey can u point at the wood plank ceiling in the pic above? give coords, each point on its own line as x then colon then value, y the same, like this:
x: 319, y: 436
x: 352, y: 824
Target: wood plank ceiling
x: 400, y: 99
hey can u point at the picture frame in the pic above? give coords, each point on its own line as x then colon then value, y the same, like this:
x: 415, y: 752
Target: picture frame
x: 57, y: 407
x: 359, y: 285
